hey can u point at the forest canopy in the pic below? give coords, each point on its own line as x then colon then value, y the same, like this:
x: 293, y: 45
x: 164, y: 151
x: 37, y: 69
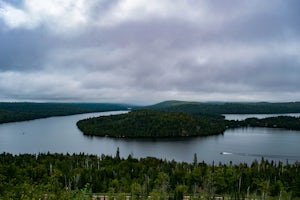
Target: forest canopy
x: 155, y: 124
x: 21, y: 111
x: 150, y: 123
x: 227, y: 107
x: 78, y: 176
x: 286, y: 122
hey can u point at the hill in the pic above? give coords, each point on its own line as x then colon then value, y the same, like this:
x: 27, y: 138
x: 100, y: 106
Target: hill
x: 13, y: 112
x: 227, y: 108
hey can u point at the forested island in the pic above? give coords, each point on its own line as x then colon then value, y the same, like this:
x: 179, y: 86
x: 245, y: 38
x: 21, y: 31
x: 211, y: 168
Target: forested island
x: 156, y: 124
x: 286, y: 122
x: 22, y: 111
x: 152, y: 123
x: 80, y: 176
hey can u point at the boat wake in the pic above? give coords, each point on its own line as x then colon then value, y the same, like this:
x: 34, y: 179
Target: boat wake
x: 226, y: 153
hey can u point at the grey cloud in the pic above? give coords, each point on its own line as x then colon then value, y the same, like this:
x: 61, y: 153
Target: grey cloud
x: 20, y: 50
x: 229, y: 50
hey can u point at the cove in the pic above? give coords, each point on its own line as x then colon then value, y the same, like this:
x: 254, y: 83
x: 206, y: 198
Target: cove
x: 60, y: 135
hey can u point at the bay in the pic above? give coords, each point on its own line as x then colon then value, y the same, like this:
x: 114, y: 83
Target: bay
x: 61, y: 135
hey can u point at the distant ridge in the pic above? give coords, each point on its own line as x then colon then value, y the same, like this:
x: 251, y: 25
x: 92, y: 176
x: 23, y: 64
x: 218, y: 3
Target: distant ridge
x: 171, y: 103
x: 227, y: 107
x: 22, y: 111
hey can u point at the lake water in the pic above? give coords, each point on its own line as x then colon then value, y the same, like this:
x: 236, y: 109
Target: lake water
x: 61, y: 135
x: 259, y: 116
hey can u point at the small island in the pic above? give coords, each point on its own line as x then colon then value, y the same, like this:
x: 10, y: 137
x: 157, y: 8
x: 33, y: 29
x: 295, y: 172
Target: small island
x: 152, y: 124
x: 285, y: 122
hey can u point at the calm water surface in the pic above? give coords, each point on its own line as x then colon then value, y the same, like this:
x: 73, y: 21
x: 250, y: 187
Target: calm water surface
x: 60, y: 135
x: 259, y: 116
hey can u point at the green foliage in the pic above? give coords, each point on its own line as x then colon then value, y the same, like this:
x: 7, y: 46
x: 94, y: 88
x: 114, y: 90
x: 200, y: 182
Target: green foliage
x: 150, y: 123
x: 13, y: 112
x: 180, y: 191
x: 227, y: 108
x: 285, y: 122
x: 79, y: 176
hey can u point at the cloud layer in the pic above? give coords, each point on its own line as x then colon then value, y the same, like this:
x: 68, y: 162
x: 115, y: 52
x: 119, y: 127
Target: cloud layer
x: 146, y: 51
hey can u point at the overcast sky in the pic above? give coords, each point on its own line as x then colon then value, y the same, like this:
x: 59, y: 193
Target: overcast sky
x: 141, y: 51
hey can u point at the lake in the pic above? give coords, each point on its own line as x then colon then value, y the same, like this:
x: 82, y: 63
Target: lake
x: 259, y: 116
x: 61, y: 135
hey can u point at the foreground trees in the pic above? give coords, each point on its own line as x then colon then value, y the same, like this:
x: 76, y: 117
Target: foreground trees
x: 78, y: 176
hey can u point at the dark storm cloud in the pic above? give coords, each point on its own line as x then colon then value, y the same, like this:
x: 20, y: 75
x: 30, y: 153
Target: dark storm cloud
x: 150, y: 51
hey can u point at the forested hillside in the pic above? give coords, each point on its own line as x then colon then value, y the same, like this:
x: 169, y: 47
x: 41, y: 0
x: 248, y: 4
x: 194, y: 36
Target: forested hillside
x: 150, y: 123
x: 227, y: 108
x: 286, y: 122
x: 58, y: 176
x: 12, y: 112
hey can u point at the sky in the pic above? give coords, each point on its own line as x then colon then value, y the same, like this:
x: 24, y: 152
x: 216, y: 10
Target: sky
x: 140, y: 51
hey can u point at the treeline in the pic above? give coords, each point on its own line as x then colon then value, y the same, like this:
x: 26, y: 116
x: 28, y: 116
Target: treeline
x: 227, y: 108
x: 286, y: 122
x: 20, y: 111
x: 150, y: 123
x: 13, y: 112
x: 78, y: 176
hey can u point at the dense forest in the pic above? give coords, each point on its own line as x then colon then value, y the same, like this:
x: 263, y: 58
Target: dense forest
x: 154, y: 123
x: 286, y: 122
x: 78, y: 176
x: 150, y: 123
x: 13, y: 112
x: 227, y: 108
x: 21, y: 111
